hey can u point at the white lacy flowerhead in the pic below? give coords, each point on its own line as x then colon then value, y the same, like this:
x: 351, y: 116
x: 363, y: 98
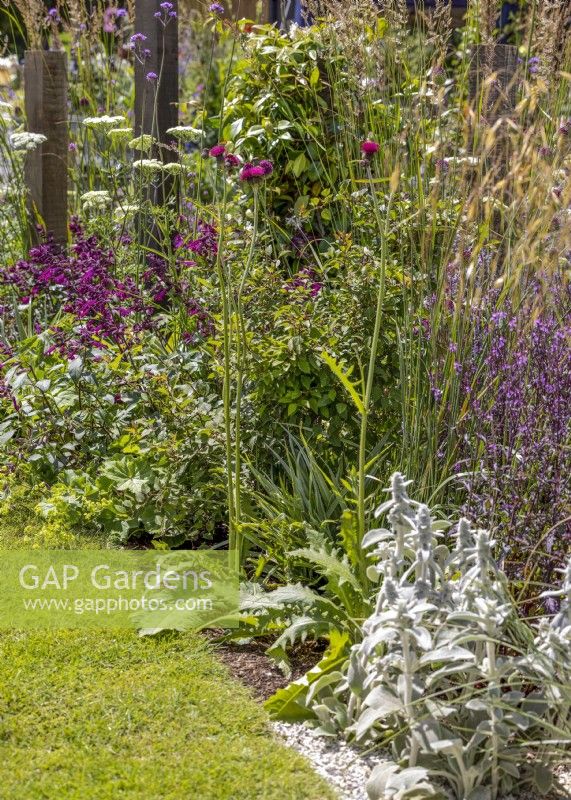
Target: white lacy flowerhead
x: 104, y: 123
x: 185, y: 133
x: 25, y: 140
x: 95, y: 200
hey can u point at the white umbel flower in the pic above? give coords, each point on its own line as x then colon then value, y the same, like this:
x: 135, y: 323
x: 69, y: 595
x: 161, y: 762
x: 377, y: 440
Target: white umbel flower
x: 120, y: 135
x: 142, y: 143
x: 25, y: 140
x: 104, y: 123
x: 184, y: 133
x: 148, y: 166
x: 95, y: 200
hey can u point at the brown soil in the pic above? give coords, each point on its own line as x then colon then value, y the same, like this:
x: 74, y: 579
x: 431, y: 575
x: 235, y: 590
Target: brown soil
x: 250, y: 664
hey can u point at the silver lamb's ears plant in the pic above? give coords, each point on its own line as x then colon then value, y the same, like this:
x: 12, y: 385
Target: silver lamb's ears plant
x: 441, y: 666
x: 401, y: 513
x: 464, y: 542
x: 563, y: 617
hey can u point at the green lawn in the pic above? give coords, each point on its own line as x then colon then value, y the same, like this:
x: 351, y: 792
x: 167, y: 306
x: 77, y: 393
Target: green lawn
x: 106, y: 715
x: 95, y: 716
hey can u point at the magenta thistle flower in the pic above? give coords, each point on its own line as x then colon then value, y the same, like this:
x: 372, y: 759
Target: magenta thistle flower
x: 217, y: 151
x: 267, y: 166
x: 252, y: 173
x: 369, y: 147
x: 231, y: 161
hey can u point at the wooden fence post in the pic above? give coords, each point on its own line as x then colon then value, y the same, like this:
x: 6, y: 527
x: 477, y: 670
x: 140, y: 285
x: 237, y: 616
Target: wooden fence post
x: 499, y: 95
x: 248, y: 9
x: 156, y: 101
x: 45, y: 82
x: 493, y: 82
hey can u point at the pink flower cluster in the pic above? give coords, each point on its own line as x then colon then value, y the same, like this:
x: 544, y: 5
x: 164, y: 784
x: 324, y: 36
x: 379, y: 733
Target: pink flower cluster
x: 221, y: 154
x: 254, y: 173
x: 251, y: 172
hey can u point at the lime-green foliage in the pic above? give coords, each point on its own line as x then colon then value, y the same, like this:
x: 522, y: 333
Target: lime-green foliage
x: 109, y: 715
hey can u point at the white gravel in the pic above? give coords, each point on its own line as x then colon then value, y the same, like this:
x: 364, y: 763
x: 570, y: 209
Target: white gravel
x: 342, y: 765
x: 348, y: 769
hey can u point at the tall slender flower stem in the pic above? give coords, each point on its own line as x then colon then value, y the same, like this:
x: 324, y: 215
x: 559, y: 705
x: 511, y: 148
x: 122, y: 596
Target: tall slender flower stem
x: 370, y: 377
x: 233, y: 543
x: 241, y: 344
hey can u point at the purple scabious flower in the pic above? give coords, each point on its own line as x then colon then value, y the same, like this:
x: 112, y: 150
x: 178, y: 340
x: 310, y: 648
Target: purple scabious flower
x: 137, y: 38
x: 216, y: 8
x: 533, y: 65
x: 439, y: 75
x: 151, y: 77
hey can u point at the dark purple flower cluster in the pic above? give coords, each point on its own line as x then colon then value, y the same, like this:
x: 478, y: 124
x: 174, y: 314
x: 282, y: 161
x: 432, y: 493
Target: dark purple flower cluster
x: 84, y: 283
x: 206, y: 243
x: 305, y: 282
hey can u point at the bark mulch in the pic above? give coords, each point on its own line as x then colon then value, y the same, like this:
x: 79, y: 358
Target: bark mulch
x: 249, y: 663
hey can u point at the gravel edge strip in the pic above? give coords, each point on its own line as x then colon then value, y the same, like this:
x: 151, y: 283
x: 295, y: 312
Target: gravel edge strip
x: 343, y: 766
x: 347, y: 769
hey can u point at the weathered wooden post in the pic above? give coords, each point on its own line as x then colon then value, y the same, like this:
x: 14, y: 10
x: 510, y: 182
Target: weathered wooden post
x: 247, y: 9
x: 493, y: 82
x: 499, y: 96
x: 156, y: 99
x: 45, y: 83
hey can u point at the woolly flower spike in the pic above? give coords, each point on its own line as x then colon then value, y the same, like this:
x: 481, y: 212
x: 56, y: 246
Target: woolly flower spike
x: 369, y: 147
x: 218, y: 151
x: 251, y: 173
x: 27, y: 141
